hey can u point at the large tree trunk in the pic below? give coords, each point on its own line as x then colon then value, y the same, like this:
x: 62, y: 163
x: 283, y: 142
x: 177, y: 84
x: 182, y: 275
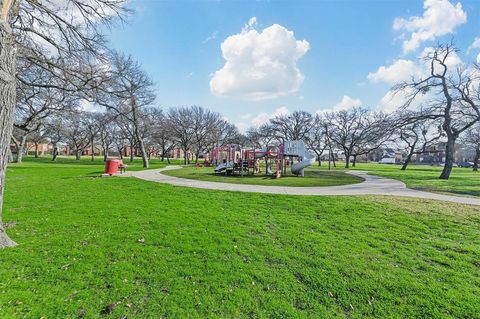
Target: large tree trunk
x: 7, y: 107
x: 449, y: 157
x: 78, y: 154
x: 477, y: 158
x: 36, y: 150
x: 354, y: 160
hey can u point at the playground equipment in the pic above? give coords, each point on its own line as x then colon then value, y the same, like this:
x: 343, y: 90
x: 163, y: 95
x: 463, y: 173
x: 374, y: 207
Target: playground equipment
x: 236, y: 160
x: 297, y: 148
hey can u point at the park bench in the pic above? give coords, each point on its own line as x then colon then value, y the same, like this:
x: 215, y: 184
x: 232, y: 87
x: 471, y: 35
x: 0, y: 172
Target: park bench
x: 122, y: 167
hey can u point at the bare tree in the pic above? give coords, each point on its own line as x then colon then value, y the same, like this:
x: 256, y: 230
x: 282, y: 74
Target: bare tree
x: 127, y: 90
x: 181, y: 125
x: 295, y: 126
x: 453, y: 97
x: 106, y: 133
x: 316, y: 139
x: 205, y: 126
x: 54, y: 131
x: 76, y: 132
x: 418, y: 137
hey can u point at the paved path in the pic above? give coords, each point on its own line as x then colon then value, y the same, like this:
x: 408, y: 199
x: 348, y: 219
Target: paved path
x: 373, y: 185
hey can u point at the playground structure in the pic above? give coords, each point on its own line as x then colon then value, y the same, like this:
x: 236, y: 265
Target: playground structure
x: 234, y: 160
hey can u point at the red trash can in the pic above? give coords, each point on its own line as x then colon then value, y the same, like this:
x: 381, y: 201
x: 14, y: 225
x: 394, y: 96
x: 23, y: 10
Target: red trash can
x: 111, y: 166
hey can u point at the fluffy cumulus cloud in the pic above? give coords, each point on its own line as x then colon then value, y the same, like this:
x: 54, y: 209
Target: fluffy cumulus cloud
x: 440, y: 17
x: 400, y: 70
x: 260, y: 64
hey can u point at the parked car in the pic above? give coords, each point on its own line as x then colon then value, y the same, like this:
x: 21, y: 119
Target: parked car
x: 465, y: 164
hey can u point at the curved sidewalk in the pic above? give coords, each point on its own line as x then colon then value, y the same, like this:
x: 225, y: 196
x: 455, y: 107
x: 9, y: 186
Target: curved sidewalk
x: 373, y: 185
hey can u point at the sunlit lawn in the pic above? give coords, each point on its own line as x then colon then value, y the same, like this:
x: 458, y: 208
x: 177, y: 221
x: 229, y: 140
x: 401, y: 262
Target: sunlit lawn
x: 151, y: 250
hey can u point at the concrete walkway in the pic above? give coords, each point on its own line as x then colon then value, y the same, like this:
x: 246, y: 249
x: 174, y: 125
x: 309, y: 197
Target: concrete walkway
x: 373, y: 185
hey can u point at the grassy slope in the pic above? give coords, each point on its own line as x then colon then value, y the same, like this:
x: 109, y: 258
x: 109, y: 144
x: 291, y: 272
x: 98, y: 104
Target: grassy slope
x: 312, y: 177
x: 462, y: 180
x: 224, y: 254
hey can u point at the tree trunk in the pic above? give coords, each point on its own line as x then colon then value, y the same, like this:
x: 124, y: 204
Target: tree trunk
x: 143, y: 151
x: 409, y: 158
x: 449, y: 157
x: 7, y: 107
x: 93, y: 150
x: 477, y: 158
x: 36, y: 150
x: 55, y: 152
x: 120, y: 152
x: 131, y: 152
x: 354, y: 160
x: 185, y: 155
x: 347, y: 160
x: 21, y: 149
x: 78, y: 154
x: 10, y: 155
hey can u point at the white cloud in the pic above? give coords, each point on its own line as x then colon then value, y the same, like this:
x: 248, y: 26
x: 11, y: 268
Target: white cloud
x: 345, y: 104
x: 478, y: 58
x: 400, y: 70
x: 404, y: 70
x: 259, y: 64
x: 440, y: 17
x: 475, y: 45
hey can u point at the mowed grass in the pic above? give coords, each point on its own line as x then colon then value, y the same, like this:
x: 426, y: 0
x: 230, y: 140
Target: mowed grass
x: 311, y: 178
x: 422, y: 177
x: 150, y: 251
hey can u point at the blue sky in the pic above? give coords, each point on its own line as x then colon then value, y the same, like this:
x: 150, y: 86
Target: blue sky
x: 339, y: 43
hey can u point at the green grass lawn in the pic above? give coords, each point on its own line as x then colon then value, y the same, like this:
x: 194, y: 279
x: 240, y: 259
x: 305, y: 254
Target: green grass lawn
x: 156, y: 250
x: 422, y: 177
x: 311, y: 178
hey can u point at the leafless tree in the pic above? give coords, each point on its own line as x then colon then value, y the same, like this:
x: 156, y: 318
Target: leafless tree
x: 453, y: 97
x: 54, y: 131
x: 76, y: 132
x: 181, y: 125
x: 418, y: 137
x: 357, y: 131
x: 205, y: 126
x: 127, y: 90
x: 316, y: 139
x: 294, y: 126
